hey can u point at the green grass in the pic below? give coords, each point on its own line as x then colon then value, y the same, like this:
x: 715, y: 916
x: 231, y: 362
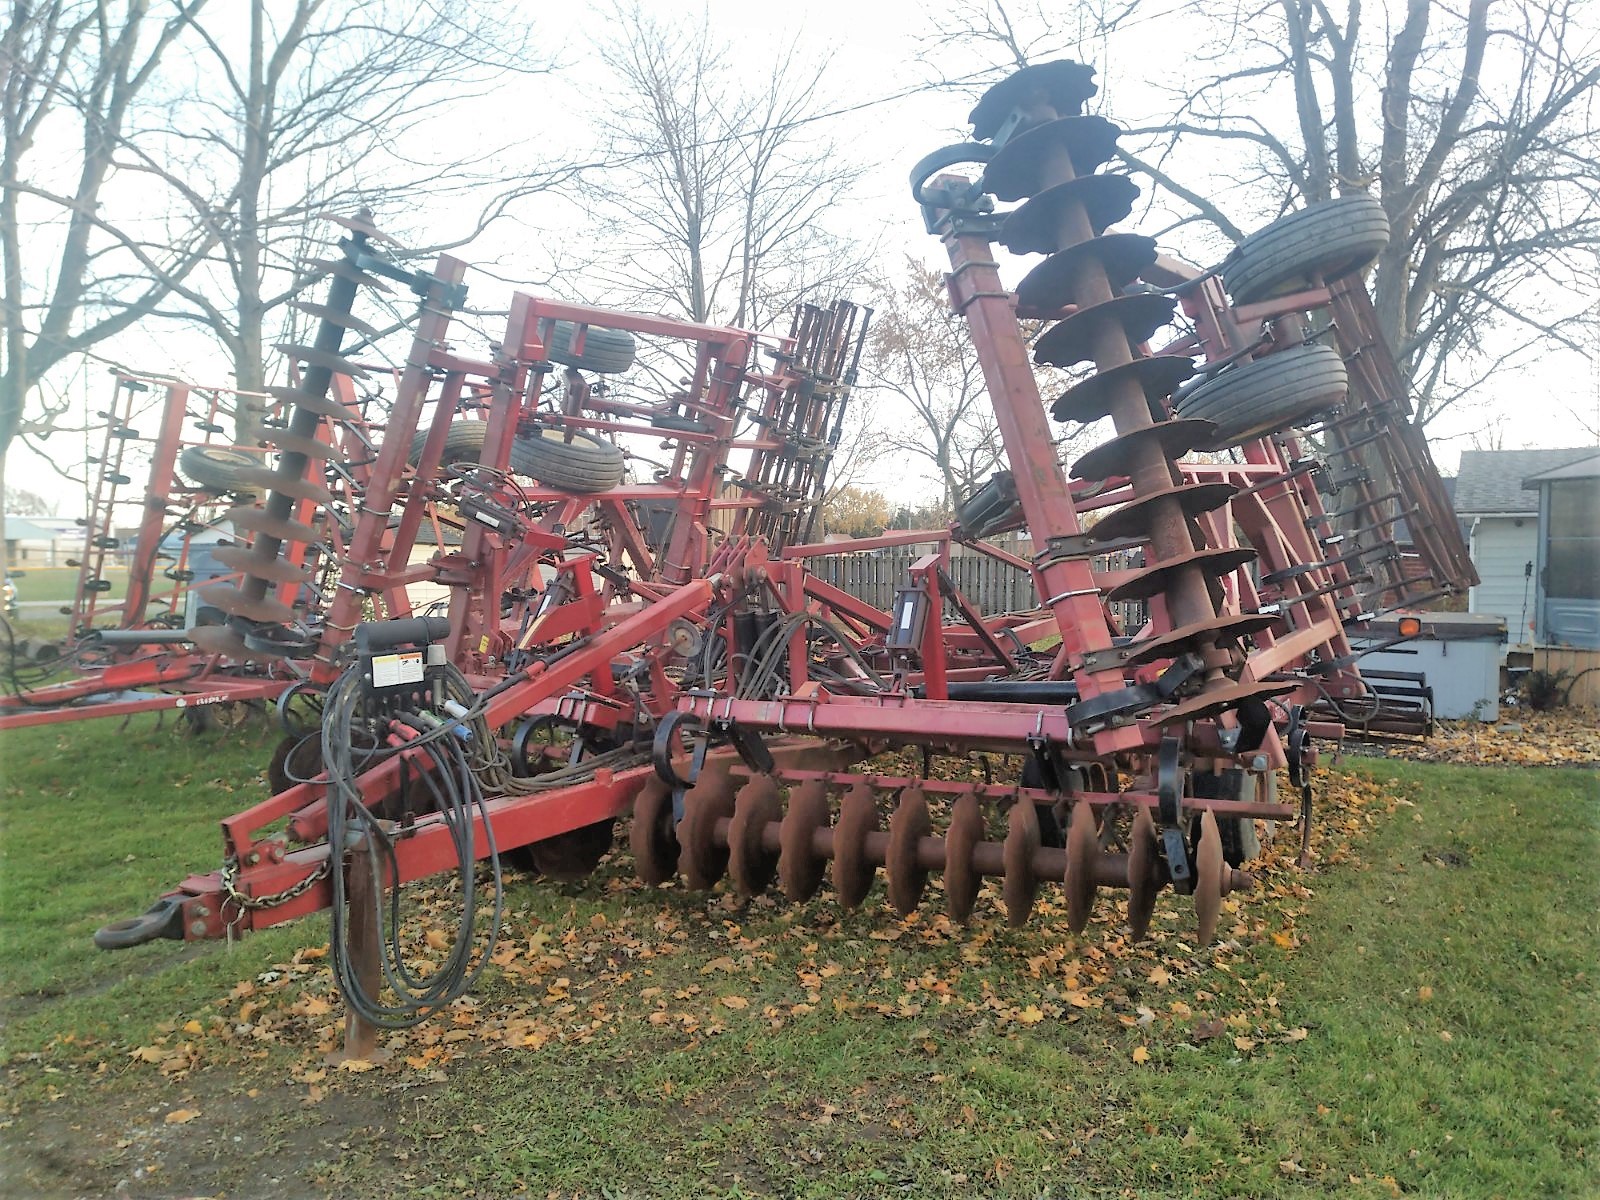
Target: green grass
x: 57, y: 585
x: 881, y: 1088
x: 61, y: 583
x: 98, y: 818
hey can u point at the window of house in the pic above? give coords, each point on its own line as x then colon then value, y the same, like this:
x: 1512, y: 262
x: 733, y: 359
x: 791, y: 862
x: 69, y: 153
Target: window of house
x: 1572, y: 570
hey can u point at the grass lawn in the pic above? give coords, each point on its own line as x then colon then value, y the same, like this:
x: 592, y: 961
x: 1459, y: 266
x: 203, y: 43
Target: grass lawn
x: 58, y: 586
x: 1414, y: 1017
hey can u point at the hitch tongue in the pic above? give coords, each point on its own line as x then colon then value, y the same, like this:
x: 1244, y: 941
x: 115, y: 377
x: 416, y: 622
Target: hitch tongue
x: 163, y: 919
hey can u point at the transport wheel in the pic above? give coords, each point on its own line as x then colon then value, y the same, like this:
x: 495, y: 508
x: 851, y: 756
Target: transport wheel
x: 585, y: 464
x: 217, y: 469
x: 463, y: 443
x: 605, y: 351
x: 1324, y: 242
x: 1269, y: 394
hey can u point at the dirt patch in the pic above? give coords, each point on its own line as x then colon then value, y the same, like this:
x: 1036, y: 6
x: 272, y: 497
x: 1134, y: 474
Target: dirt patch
x: 212, y: 1134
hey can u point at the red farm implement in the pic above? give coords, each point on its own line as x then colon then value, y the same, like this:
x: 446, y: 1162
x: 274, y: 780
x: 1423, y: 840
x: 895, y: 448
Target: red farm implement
x: 657, y: 649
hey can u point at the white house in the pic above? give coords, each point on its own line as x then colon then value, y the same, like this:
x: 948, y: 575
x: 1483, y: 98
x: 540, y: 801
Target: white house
x: 1503, y: 519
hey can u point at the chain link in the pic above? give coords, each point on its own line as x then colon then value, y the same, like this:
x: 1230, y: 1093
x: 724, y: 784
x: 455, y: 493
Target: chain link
x: 230, y: 872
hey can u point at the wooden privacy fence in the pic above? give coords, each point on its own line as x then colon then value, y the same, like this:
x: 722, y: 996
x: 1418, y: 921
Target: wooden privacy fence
x: 994, y: 587
x: 1578, y: 669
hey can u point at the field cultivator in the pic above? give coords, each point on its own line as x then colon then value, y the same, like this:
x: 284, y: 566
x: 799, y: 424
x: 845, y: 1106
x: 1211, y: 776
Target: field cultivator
x: 615, y: 647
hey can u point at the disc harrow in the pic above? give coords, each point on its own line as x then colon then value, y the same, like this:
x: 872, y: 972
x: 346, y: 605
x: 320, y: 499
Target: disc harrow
x: 658, y: 648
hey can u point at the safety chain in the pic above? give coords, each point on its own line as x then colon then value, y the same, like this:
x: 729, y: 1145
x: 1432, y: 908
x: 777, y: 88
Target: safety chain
x: 230, y: 872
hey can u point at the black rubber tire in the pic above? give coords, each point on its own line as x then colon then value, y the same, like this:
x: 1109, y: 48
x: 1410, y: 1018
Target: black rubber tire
x: 1326, y: 241
x: 585, y: 464
x: 679, y: 424
x: 463, y: 443
x: 605, y: 351
x: 1268, y: 394
x: 217, y: 469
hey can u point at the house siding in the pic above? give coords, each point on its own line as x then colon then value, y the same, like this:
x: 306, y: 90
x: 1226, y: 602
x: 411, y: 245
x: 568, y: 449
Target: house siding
x: 1501, y: 548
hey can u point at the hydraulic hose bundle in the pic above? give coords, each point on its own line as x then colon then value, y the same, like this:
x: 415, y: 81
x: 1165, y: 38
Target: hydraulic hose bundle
x: 376, y: 703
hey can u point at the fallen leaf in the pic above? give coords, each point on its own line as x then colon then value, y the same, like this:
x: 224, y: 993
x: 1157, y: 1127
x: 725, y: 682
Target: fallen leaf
x: 357, y: 1064
x: 735, y: 1002
x: 1160, y: 976
x: 1424, y: 994
x: 1244, y: 1043
x: 1030, y: 1015
x: 1141, y: 1055
x: 181, y: 1116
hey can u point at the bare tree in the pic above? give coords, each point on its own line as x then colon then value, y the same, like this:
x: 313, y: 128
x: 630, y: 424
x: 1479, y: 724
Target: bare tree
x: 921, y: 354
x: 716, y: 196
x: 24, y: 503
x: 85, y: 73
x: 225, y: 132
x: 1474, y: 125
x: 312, y: 107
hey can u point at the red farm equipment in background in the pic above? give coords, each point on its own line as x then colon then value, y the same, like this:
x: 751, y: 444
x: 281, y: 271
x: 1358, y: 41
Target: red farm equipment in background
x: 616, y: 647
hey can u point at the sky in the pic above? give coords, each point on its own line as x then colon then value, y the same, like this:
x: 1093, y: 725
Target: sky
x: 886, y: 115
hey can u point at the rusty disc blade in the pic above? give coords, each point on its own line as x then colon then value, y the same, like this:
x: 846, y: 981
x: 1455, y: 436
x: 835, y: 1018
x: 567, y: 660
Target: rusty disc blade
x: 1173, y: 439
x: 1021, y: 885
x: 961, y: 878
x: 1061, y: 85
x: 650, y: 837
x: 326, y: 359
x: 293, y: 443
x: 852, y: 869
x: 236, y: 604
x: 294, y: 486
x: 703, y: 859
x: 336, y: 316
x: 344, y: 270
x: 1199, y: 635
x: 258, y: 520
x: 908, y: 825
x: 575, y: 854
x: 1139, y: 516
x: 1017, y: 168
x: 220, y: 639
x: 1213, y: 564
x: 1083, y: 850
x: 1144, y: 872
x: 1071, y: 340
x: 800, y: 870
x: 323, y: 406
x: 1037, y: 226
x: 1120, y: 256
x: 360, y: 223
x: 273, y: 570
x: 1221, y: 699
x: 1208, y: 880
x: 1092, y: 399
x: 756, y: 806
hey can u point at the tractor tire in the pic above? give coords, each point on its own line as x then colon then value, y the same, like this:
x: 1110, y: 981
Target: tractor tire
x: 218, y: 470
x: 463, y: 443
x: 1269, y: 394
x: 1318, y: 244
x: 605, y: 351
x: 585, y: 464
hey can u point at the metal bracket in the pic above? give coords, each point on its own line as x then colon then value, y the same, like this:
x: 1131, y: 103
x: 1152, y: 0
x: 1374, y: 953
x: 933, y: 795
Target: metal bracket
x: 1169, y: 813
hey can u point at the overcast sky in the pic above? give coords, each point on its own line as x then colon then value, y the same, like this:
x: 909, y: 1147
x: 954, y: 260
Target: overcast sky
x: 888, y: 116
